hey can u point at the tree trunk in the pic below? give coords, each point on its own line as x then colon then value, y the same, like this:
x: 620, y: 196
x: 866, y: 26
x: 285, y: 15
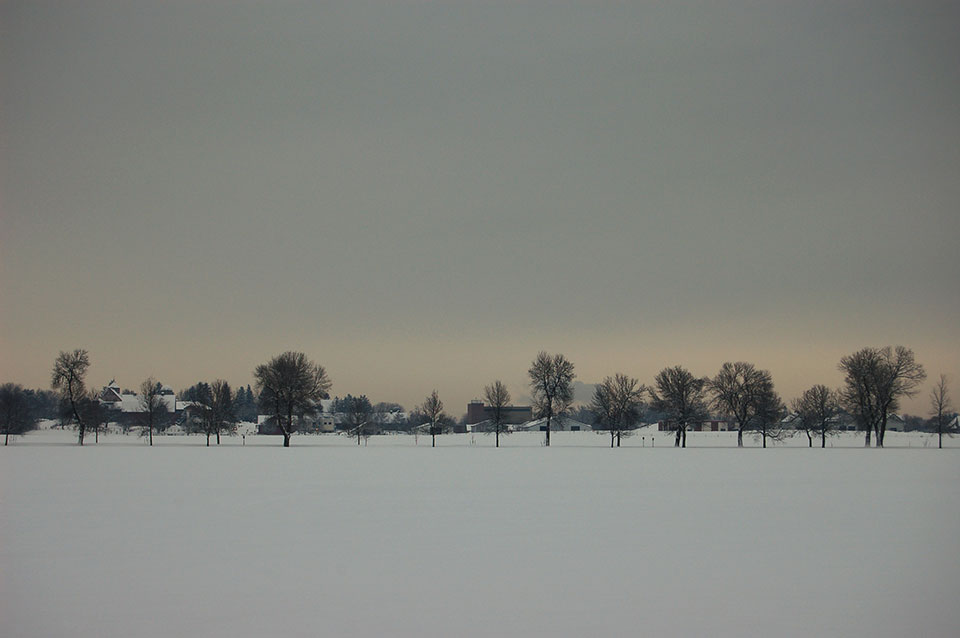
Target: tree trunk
x: 287, y: 431
x: 76, y: 415
x: 548, y: 430
x: 882, y: 431
x: 867, y: 440
x: 676, y: 442
x: 96, y: 435
x: 809, y: 439
x: 611, y: 439
x: 151, y: 434
x: 358, y: 435
x: 684, y: 438
x: 498, y: 436
x: 218, y: 437
x: 80, y: 434
x: 433, y: 438
x: 764, y: 435
x: 740, y: 437
x: 939, y: 436
x: 208, y: 439
x: 6, y: 438
x: 823, y: 439
x: 618, y: 439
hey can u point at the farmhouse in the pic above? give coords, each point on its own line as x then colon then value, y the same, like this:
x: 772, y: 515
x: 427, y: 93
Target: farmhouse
x: 128, y: 402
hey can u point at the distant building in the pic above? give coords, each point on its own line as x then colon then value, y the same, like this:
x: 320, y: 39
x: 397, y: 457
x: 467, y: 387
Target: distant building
x: 129, y: 402
x: 110, y: 395
x: 710, y: 425
x: 486, y: 427
x: 125, y: 408
x: 312, y: 424
x: 557, y: 424
x: 477, y: 412
x: 896, y: 423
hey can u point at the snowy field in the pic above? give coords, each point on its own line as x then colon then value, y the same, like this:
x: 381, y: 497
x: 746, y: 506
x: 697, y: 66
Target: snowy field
x: 395, y: 539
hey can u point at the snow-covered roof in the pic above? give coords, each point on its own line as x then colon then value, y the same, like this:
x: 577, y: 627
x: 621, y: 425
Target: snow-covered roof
x: 131, y: 402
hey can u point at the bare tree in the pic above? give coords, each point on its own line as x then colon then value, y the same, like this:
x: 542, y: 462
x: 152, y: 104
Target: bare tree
x: 198, y: 418
x: 152, y: 405
x: 551, y: 383
x: 680, y: 396
x: 769, y: 412
x: 875, y: 380
x: 432, y: 409
x: 498, y: 398
x: 91, y: 411
x: 358, y: 412
x: 601, y: 411
x: 213, y: 405
x: 817, y: 410
x: 736, y: 389
x: 69, y: 378
x: 617, y: 403
x: 291, y: 385
x: 800, y: 422
x: 15, y: 413
x: 94, y: 414
x: 201, y: 396
x: 940, y: 409
x: 224, y: 417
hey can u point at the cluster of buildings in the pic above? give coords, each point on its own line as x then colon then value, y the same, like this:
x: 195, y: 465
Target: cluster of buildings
x: 479, y: 418
x: 126, y: 405
x: 128, y: 402
x: 517, y: 418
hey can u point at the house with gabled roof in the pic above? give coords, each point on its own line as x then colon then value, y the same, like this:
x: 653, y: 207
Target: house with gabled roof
x: 128, y: 402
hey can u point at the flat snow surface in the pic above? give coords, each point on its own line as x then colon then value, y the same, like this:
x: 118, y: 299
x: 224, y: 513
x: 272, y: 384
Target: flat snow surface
x: 391, y: 539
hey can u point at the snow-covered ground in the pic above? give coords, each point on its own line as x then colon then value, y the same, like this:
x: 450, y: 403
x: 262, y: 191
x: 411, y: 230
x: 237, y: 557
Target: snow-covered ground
x: 395, y: 539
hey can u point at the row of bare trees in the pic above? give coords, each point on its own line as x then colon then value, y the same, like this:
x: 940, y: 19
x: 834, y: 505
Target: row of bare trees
x: 290, y: 387
x: 739, y: 390
x: 876, y: 380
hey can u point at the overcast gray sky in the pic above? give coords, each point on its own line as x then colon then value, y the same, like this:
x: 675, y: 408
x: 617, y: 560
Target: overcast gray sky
x: 422, y: 195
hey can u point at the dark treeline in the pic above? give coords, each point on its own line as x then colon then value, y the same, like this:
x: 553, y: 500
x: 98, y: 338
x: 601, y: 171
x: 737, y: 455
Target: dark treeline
x: 291, y: 393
